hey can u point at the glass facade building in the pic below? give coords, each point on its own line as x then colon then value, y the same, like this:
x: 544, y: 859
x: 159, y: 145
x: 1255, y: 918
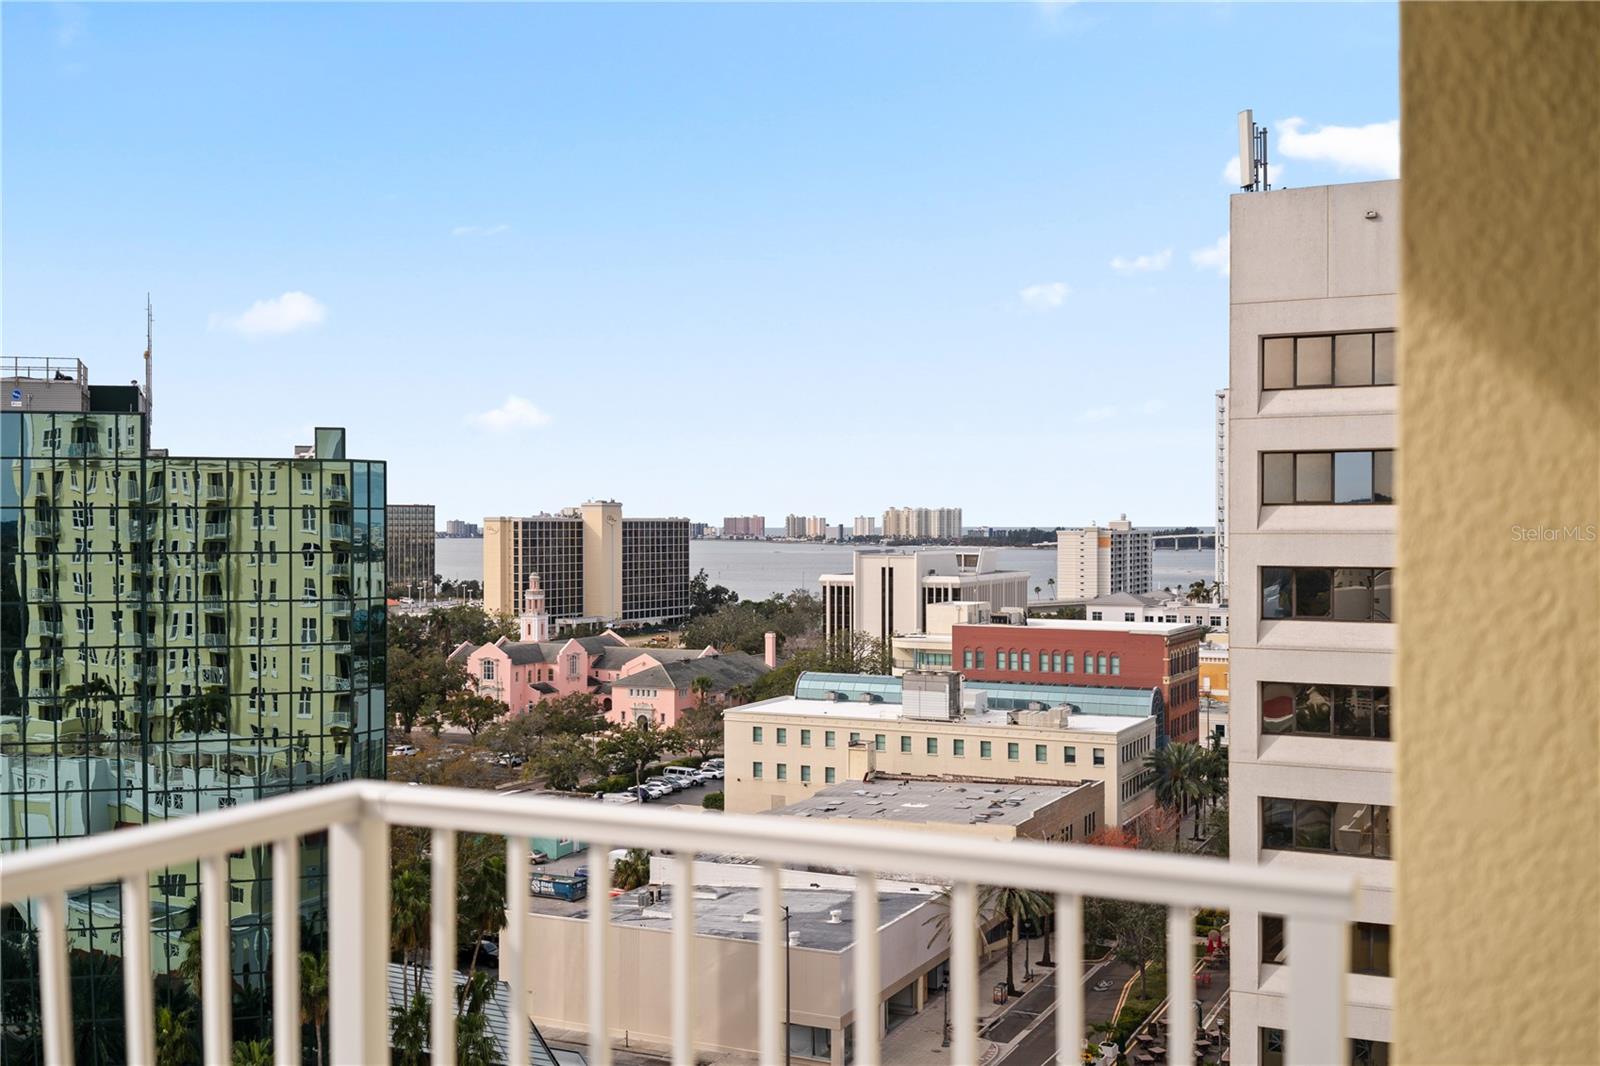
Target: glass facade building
x: 176, y: 635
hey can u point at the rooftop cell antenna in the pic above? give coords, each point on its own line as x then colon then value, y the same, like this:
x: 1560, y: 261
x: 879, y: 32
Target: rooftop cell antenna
x: 1252, y: 154
x: 149, y: 343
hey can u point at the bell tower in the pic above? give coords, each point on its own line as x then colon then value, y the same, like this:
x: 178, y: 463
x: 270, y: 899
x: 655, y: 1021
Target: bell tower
x: 535, y: 620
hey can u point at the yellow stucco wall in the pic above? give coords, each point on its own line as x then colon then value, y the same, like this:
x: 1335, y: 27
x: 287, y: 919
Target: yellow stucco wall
x: 1498, y: 701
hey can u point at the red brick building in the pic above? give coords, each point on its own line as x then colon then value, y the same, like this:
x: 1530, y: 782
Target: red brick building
x: 1141, y: 655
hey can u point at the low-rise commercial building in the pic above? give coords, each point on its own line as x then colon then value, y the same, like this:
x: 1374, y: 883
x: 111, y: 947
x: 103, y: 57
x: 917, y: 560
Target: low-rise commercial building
x: 841, y: 727
x: 1164, y: 656
x: 1155, y: 607
x: 993, y: 810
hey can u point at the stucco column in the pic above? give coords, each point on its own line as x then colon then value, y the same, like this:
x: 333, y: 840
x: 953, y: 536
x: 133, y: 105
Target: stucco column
x: 1497, y: 922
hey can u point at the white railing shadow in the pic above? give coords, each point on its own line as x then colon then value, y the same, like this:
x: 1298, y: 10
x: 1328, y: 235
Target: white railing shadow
x: 357, y: 817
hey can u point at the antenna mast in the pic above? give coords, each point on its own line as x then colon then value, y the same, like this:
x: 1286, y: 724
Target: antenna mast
x: 1252, y: 154
x: 149, y: 344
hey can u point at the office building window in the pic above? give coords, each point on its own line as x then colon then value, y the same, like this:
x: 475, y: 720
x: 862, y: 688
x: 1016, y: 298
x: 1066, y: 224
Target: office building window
x: 1327, y: 477
x: 1359, y: 829
x: 932, y: 745
x: 755, y: 734
x: 1027, y: 662
x: 1013, y: 752
x: 979, y: 654
x: 1369, y: 1052
x: 805, y: 774
x: 1272, y: 941
x: 828, y: 775
x: 958, y: 748
x: 827, y: 738
x: 755, y: 770
x: 1116, y: 665
x: 1322, y: 593
x: 1099, y: 756
x: 1067, y: 662
x: 1324, y: 361
x: 1325, y: 710
x: 783, y: 771
x: 805, y: 738
x: 1272, y: 1046
x: 1013, y: 661
x: 985, y: 749
x: 880, y: 742
x: 1100, y: 664
x: 905, y: 745
x: 855, y: 738
x: 783, y: 735
x: 966, y: 659
x: 1041, y: 753
x: 1069, y: 754
x: 1369, y: 949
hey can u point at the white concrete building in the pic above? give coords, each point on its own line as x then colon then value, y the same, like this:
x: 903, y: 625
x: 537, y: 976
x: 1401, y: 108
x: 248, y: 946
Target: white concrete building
x: 1311, y: 544
x: 1129, y: 607
x: 1099, y: 560
x: 889, y: 590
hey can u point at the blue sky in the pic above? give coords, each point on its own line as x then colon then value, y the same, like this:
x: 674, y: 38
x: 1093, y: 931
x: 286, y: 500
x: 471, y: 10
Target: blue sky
x: 703, y: 259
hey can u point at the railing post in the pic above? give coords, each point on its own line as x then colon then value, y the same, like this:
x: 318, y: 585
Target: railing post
x: 771, y: 1022
x: 442, y: 945
x: 286, y: 951
x: 55, y: 990
x: 358, y: 940
x: 599, y: 932
x: 964, y: 971
x: 1069, y: 978
x: 216, y: 971
x: 138, y: 1008
x: 1180, y: 986
x: 683, y: 975
x: 868, y: 977
x: 514, y: 948
x: 1319, y: 953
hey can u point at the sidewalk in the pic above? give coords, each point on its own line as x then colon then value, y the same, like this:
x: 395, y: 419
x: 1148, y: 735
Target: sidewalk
x: 917, y: 1040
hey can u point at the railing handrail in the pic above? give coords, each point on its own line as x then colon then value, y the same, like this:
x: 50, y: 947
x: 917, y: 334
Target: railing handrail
x: 1174, y: 880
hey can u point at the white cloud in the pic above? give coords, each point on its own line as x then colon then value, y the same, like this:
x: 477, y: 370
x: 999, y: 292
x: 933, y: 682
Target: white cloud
x: 282, y: 314
x: 1369, y: 149
x: 479, y: 231
x: 1230, y: 174
x: 1213, y: 256
x: 516, y: 413
x: 1141, y: 264
x: 1045, y: 296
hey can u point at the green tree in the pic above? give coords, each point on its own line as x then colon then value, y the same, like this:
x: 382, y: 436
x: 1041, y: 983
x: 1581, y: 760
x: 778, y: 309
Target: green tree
x: 420, y: 684
x: 481, y: 890
x: 174, y: 1037
x: 706, y: 598
x: 475, y: 1044
x: 409, y: 906
x: 701, y: 729
x: 252, y: 1053
x: 408, y: 1030
x: 563, y: 761
x: 1013, y: 906
x: 1179, y: 778
x: 1199, y: 592
x: 632, y: 870
x: 472, y: 712
x: 314, y: 996
x: 205, y: 712
x: 700, y: 688
x: 630, y: 748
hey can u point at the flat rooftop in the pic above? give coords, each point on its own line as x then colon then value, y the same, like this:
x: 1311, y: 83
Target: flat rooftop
x: 1160, y: 628
x: 919, y: 802
x: 793, y: 707
x: 733, y: 912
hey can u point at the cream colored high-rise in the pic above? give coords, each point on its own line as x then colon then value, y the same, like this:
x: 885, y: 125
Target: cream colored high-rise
x: 1311, y: 543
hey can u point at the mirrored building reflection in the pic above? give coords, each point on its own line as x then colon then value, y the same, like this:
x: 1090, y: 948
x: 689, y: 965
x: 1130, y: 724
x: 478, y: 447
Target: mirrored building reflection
x: 177, y: 634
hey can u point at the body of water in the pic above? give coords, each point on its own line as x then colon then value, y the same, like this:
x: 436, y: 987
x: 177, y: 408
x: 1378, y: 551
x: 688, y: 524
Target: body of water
x: 756, y: 569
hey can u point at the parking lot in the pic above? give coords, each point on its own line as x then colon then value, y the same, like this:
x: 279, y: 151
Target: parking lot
x: 689, y: 797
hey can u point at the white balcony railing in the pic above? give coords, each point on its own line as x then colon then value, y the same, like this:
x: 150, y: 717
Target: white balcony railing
x: 357, y: 817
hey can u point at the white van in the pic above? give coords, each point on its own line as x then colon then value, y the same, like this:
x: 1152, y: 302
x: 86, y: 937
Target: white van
x: 683, y: 773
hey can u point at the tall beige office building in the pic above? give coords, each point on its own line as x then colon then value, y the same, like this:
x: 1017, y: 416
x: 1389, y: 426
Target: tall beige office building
x: 594, y: 565
x: 1311, y: 543
x: 1101, y: 560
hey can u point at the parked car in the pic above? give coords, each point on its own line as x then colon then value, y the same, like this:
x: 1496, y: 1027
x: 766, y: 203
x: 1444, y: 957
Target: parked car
x: 537, y: 857
x: 618, y: 797
x: 657, y: 791
x: 714, y: 773
x: 401, y: 750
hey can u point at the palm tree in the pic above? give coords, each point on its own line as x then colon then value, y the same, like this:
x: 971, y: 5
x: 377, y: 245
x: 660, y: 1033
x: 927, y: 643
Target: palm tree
x: 252, y: 1053
x: 632, y: 870
x: 480, y: 895
x: 1178, y: 779
x: 1014, y: 906
x: 408, y: 923
x: 700, y: 687
x: 408, y: 1030
x: 475, y: 1044
x: 175, y: 1037
x: 314, y: 995
x: 1052, y: 583
x: 1036, y: 591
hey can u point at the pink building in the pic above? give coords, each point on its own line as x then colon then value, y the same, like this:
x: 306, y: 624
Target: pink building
x: 652, y: 685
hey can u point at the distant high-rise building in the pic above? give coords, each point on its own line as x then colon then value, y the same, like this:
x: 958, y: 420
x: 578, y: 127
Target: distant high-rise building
x: 888, y: 590
x: 865, y: 526
x: 177, y: 635
x: 1311, y: 532
x: 455, y: 527
x: 1222, y: 497
x: 592, y: 564
x: 922, y: 523
x: 1100, y: 560
x: 794, y: 527
x: 408, y: 528
x: 745, y: 526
